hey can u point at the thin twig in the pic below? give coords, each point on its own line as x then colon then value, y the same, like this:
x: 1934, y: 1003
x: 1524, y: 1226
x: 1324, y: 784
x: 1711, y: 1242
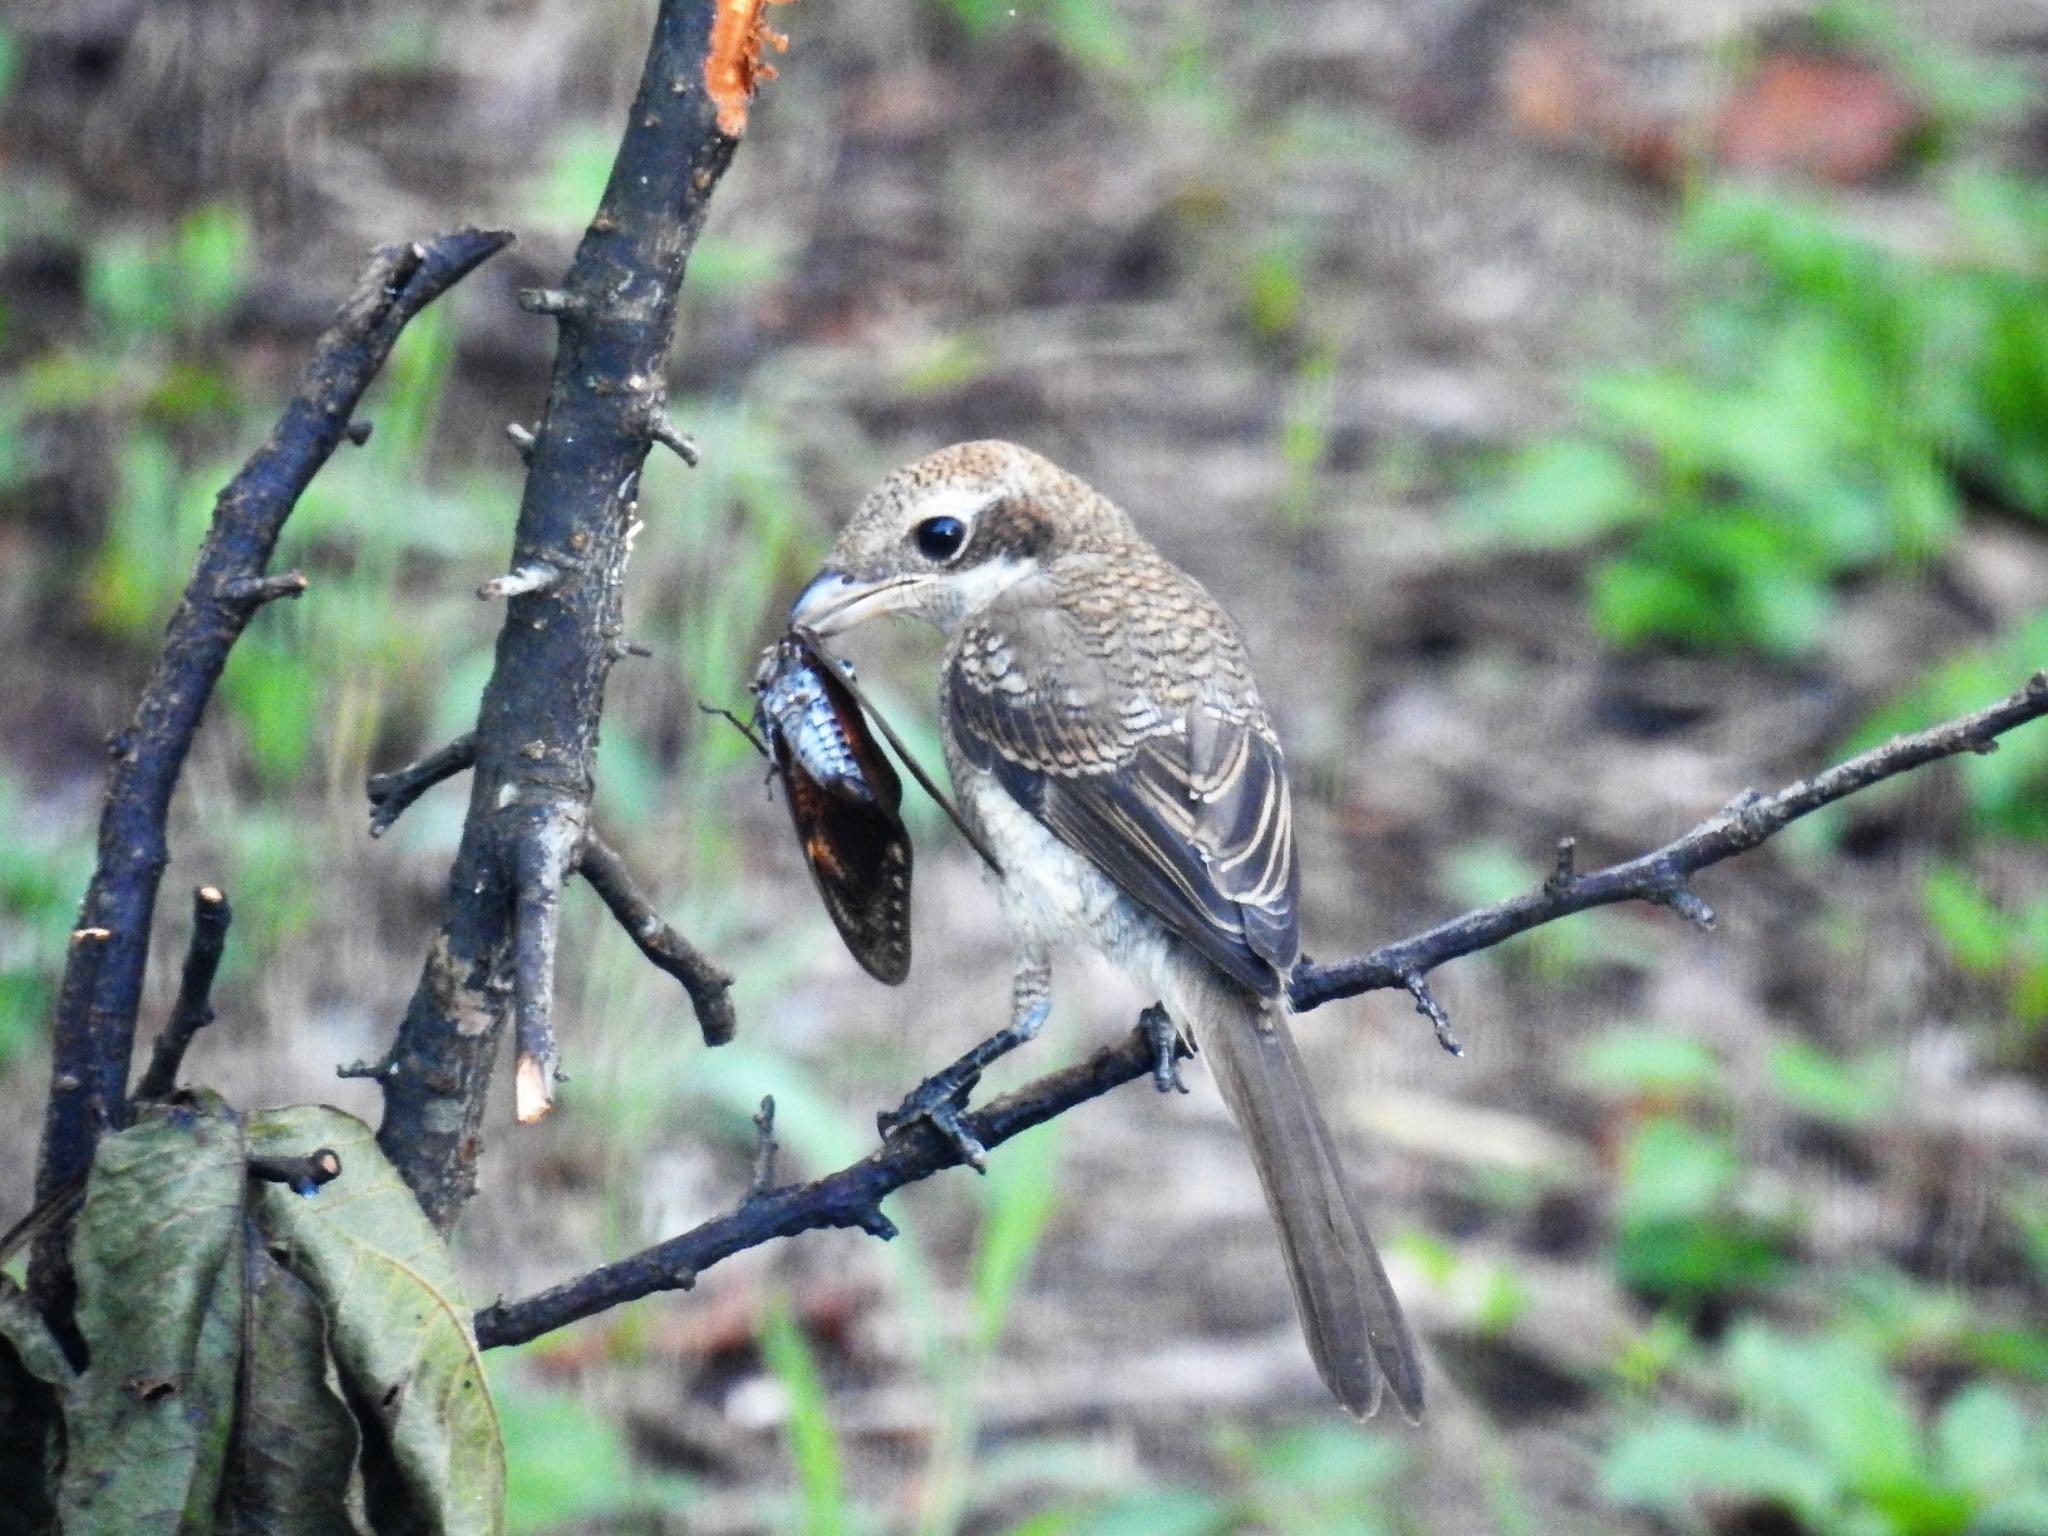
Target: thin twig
x: 852, y: 1196
x: 193, y: 1010
x: 764, y: 1147
x: 391, y: 793
x: 541, y: 865
x: 709, y: 986
x: 1661, y: 876
x: 672, y: 437
x: 528, y: 576
x: 254, y: 591
x: 302, y: 1175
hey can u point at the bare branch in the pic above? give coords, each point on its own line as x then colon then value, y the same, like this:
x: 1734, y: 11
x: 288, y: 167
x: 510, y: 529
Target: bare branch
x: 852, y: 1196
x: 1432, y: 1010
x: 527, y: 576
x: 764, y: 1147
x: 552, y: 301
x: 193, y: 1010
x: 1661, y: 875
x: 672, y: 437
x: 541, y: 863
x: 537, y: 723
x: 254, y: 591
x: 709, y: 986
x: 391, y: 793
x: 302, y: 1175
x: 93, y: 1033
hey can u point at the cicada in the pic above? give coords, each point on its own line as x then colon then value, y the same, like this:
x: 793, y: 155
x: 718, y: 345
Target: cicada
x: 844, y: 798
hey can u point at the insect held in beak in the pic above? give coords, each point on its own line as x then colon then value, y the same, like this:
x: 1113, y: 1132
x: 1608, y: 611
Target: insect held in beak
x: 844, y: 799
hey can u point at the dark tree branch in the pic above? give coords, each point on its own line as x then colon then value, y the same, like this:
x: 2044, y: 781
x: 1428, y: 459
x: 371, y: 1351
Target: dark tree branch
x: 852, y: 1197
x: 709, y: 987
x: 194, y: 1009
x: 391, y: 793
x: 536, y: 734
x: 93, y: 1034
x: 1662, y: 876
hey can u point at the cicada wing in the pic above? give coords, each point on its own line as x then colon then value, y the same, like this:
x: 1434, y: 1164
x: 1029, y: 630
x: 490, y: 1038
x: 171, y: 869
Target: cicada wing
x: 859, y: 855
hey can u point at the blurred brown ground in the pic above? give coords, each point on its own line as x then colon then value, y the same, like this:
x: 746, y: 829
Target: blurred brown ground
x: 1469, y: 244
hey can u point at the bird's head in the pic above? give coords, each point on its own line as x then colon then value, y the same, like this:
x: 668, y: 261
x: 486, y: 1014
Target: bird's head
x: 940, y: 538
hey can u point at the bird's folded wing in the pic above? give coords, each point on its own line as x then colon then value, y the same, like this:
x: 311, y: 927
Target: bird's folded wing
x: 1186, y: 811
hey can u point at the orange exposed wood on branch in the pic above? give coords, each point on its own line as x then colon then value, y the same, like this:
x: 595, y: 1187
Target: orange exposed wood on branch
x: 734, y: 68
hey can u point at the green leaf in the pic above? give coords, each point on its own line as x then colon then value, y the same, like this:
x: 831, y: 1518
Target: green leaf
x: 1823, y: 1085
x: 399, y: 1333
x: 1669, y: 1464
x: 1672, y: 1171
x: 568, y: 1464
x: 1159, y: 1512
x: 158, y: 1254
x: 1836, y: 1393
x: 1561, y: 494
x: 1019, y: 1196
x: 292, y: 1470
x: 814, y: 1444
x: 1981, y: 1441
x: 1976, y: 934
x: 1649, y: 1062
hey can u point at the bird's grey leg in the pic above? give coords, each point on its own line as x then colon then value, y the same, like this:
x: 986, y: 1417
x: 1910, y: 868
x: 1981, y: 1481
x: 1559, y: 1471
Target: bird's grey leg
x: 1168, y: 1046
x: 942, y: 1097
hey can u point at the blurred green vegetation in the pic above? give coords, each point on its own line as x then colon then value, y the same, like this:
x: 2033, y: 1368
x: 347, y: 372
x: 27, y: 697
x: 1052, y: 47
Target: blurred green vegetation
x: 1839, y: 400
x: 1829, y: 1437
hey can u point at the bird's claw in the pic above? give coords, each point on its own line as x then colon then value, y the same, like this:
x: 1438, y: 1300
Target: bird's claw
x: 940, y: 1101
x: 1167, y: 1049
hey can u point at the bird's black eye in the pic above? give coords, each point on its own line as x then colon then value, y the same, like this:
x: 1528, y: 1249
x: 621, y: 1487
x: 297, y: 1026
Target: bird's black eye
x: 939, y: 538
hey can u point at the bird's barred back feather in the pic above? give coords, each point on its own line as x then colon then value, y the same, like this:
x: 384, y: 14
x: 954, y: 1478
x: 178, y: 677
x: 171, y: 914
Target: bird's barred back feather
x: 1123, y: 715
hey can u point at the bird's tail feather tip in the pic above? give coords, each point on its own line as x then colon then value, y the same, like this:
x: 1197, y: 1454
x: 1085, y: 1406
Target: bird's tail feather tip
x: 1350, y: 1316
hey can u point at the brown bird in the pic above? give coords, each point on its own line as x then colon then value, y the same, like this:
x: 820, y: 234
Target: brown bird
x: 1106, y: 739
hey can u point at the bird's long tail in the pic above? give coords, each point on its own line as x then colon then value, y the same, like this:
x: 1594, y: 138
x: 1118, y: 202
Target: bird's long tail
x: 1349, y: 1313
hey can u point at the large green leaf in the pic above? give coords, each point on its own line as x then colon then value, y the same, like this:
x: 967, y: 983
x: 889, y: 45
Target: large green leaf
x: 158, y: 1259
x: 293, y: 1468
x: 398, y: 1332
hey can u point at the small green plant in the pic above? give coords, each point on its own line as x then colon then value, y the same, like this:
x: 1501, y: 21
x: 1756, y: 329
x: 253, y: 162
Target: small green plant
x: 43, y: 867
x: 1688, y: 1223
x: 814, y: 1443
x: 1827, y: 1436
x: 1322, y: 1479
x: 569, y: 1466
x: 1834, y: 404
x: 1981, y: 937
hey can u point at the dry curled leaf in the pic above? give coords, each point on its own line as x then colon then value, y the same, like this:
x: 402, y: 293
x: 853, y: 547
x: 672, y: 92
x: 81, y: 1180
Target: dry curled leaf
x: 1817, y: 116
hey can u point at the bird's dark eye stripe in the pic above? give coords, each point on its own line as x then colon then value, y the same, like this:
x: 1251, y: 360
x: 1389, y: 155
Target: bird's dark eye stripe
x: 939, y: 538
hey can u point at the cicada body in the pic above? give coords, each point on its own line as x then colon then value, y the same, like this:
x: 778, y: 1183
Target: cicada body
x: 844, y: 798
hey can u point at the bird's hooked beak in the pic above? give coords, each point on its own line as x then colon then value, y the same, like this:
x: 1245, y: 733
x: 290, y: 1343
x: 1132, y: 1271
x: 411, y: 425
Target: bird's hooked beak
x: 835, y: 601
